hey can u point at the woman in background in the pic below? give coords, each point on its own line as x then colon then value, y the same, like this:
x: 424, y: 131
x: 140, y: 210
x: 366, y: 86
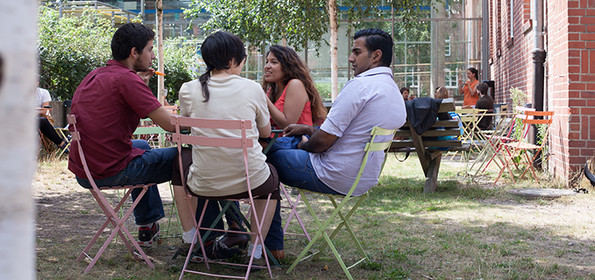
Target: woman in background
x: 468, y: 89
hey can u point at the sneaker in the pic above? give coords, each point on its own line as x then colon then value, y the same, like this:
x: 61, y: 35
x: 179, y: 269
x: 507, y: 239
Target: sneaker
x: 146, y: 235
x: 216, y: 250
x: 231, y: 239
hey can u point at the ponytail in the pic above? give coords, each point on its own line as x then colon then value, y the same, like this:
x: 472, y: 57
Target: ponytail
x: 203, y: 79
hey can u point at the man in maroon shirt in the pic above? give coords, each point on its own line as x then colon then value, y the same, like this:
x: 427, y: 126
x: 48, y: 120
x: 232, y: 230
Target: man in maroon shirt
x: 108, y: 105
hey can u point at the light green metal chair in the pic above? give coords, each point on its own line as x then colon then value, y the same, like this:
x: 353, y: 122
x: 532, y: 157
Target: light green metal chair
x: 324, y: 225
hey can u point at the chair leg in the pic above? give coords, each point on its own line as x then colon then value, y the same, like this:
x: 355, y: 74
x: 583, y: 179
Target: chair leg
x: 293, y: 205
x: 119, y: 228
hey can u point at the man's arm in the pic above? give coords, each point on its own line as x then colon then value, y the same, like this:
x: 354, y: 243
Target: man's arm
x: 319, y: 141
x: 162, y: 117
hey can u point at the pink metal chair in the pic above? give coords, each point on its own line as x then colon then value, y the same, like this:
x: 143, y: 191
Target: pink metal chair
x: 293, y: 213
x: 110, y: 212
x: 230, y: 142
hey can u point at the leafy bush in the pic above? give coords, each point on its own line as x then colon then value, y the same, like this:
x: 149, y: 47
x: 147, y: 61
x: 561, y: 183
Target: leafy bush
x: 72, y: 46
x: 181, y: 64
x: 69, y: 48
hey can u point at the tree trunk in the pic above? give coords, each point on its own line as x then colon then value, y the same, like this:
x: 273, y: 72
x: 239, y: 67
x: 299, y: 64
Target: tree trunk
x: 332, y: 10
x: 160, y: 79
x: 18, y: 144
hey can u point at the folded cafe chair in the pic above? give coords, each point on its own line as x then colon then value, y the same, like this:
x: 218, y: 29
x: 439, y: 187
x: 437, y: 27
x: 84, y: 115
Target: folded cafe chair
x: 511, y: 130
x: 111, y: 212
x: 520, y: 149
x: 242, y: 143
x: 341, y: 215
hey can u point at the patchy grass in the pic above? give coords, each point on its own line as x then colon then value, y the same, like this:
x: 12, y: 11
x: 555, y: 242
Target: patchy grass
x: 466, y: 230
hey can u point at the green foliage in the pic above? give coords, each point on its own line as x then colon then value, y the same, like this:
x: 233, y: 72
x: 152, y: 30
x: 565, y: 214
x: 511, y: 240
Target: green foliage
x: 265, y: 21
x: 261, y: 22
x: 69, y: 48
x: 72, y: 46
x: 181, y: 64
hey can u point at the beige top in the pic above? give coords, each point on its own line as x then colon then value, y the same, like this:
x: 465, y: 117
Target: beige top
x: 219, y: 171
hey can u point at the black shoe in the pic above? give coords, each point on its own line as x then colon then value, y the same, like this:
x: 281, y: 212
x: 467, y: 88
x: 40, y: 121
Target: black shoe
x: 216, y: 250
x: 146, y: 235
x: 231, y: 239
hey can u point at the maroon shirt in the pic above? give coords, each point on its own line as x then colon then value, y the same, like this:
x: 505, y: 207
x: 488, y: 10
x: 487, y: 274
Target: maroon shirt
x: 108, y: 105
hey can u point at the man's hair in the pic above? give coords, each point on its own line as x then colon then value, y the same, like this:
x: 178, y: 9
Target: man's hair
x: 377, y: 39
x: 483, y: 88
x: 404, y: 89
x: 128, y: 36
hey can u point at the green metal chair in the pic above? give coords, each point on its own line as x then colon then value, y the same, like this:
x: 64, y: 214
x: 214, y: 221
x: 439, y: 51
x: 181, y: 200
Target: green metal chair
x: 338, y: 213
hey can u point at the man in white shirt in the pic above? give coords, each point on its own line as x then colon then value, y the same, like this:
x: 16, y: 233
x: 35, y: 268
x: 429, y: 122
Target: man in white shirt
x: 329, y: 161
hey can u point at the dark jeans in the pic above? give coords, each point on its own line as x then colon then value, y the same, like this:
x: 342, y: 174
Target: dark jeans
x: 48, y: 131
x: 153, y: 166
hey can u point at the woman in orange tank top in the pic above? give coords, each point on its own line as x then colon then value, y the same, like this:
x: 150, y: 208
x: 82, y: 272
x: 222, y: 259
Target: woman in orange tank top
x: 468, y: 89
x: 293, y: 98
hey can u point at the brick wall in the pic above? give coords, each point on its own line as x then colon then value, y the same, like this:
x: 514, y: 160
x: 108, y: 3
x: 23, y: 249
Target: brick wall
x: 569, y: 68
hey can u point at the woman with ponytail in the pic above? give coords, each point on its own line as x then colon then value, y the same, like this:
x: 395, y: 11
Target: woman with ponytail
x: 220, y: 93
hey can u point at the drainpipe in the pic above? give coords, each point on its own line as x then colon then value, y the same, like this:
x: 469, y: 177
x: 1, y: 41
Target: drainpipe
x: 539, y: 55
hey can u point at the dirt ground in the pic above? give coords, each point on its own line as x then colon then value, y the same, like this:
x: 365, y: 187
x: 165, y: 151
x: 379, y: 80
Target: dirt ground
x: 66, y: 214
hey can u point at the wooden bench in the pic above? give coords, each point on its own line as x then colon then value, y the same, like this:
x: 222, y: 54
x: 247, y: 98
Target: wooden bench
x: 428, y: 156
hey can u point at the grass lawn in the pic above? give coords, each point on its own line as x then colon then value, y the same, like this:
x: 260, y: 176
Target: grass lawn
x: 466, y: 230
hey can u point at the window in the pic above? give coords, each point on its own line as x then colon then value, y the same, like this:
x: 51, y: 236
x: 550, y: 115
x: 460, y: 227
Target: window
x: 450, y: 79
x: 447, y: 46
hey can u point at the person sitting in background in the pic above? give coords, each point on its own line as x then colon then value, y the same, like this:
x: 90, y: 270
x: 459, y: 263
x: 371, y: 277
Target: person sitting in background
x: 292, y: 99
x: 485, y: 102
x: 43, y: 99
x: 405, y: 93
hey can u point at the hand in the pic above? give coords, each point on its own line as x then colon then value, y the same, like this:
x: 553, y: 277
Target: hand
x: 146, y: 75
x: 298, y: 129
x: 303, y: 141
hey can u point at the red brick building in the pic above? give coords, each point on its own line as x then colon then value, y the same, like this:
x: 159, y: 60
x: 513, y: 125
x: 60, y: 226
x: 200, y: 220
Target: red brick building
x: 569, y: 83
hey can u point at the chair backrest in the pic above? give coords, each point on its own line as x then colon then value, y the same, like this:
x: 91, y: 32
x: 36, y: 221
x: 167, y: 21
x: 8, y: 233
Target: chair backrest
x: 76, y: 139
x: 373, y: 146
x: 543, y: 118
x: 229, y: 142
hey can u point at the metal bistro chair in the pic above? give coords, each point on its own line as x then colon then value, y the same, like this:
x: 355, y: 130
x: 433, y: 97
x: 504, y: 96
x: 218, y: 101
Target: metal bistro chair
x: 110, y: 211
x: 323, y: 225
x: 228, y: 142
x: 520, y: 149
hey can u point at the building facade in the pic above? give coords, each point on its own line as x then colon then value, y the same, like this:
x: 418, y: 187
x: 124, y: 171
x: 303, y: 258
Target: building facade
x: 569, y: 89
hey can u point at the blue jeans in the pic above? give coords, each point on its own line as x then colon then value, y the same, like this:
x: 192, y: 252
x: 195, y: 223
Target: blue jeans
x: 295, y: 170
x: 153, y: 166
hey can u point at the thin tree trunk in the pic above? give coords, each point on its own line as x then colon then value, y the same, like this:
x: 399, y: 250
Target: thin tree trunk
x: 18, y: 144
x: 160, y: 79
x: 332, y: 10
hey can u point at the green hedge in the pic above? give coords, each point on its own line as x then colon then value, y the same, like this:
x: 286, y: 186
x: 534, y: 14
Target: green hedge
x: 72, y: 46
